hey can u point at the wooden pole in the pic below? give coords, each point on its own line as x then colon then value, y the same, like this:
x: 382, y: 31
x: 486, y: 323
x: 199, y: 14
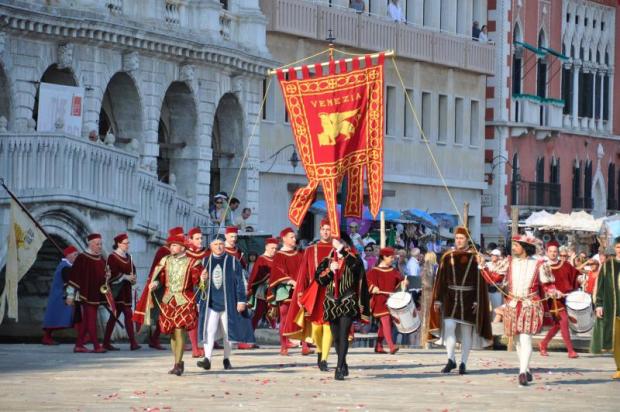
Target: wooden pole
x: 382, y: 221
x: 466, y: 215
x: 514, y: 216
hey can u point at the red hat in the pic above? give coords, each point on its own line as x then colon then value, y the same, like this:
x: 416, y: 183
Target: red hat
x: 175, y: 231
x: 324, y: 222
x: 387, y: 251
x: 69, y: 250
x: 286, y: 231
x: 461, y: 230
x: 232, y: 229
x: 93, y: 236
x: 271, y: 241
x: 552, y: 243
x: 120, y: 238
x: 194, y: 231
x: 178, y: 239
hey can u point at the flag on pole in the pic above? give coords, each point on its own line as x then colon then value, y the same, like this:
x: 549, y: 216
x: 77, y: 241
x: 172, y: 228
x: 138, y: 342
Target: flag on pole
x: 24, y: 241
x: 337, y: 123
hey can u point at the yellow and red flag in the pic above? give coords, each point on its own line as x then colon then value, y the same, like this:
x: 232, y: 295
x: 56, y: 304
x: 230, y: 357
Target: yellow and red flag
x: 337, y: 122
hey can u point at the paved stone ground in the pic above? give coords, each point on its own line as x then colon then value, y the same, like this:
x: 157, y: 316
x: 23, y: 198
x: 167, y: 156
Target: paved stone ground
x: 34, y: 377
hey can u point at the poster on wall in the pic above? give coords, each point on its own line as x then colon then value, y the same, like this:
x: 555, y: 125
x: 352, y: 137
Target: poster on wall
x: 60, y: 105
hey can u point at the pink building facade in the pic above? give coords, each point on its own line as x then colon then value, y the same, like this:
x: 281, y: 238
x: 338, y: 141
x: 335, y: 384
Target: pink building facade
x: 553, y: 110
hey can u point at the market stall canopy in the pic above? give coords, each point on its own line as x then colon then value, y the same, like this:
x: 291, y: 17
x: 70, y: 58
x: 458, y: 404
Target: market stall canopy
x: 576, y: 221
x: 420, y: 216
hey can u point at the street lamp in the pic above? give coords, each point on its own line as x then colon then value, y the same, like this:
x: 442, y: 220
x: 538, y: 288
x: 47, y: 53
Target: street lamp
x: 293, y: 160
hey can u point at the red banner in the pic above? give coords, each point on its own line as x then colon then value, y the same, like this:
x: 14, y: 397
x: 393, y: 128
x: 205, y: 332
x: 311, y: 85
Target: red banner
x: 337, y: 122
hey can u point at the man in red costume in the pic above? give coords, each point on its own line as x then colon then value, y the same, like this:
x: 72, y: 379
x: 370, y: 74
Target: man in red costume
x: 87, y: 275
x: 196, y: 251
x: 122, y: 277
x: 176, y: 275
x: 282, y: 283
x: 230, y: 246
x: 305, y: 319
x: 258, y: 282
x: 141, y: 306
x: 383, y: 280
x: 565, y: 276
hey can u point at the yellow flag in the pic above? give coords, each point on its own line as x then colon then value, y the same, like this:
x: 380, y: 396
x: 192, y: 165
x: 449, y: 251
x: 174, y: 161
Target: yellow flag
x: 25, y: 240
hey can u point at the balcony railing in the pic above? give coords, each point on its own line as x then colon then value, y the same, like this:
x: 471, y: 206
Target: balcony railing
x: 536, y: 194
x: 57, y: 168
x: 312, y: 20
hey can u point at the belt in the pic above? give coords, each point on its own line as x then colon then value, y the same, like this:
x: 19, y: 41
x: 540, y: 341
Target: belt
x: 461, y: 288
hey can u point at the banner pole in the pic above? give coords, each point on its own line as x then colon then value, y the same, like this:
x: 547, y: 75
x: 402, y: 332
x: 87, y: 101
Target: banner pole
x: 388, y: 53
x: 382, y: 238
x: 21, y: 205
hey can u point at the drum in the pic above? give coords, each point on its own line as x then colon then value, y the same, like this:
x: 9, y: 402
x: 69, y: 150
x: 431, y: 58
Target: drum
x: 579, y: 310
x: 402, y: 309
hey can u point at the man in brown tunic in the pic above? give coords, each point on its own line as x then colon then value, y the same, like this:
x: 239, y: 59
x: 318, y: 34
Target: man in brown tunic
x: 460, y: 303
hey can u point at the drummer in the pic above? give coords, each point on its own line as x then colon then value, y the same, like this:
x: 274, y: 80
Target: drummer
x: 383, y: 280
x: 566, y: 281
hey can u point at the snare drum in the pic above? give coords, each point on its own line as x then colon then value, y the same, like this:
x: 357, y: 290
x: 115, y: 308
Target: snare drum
x: 579, y: 310
x: 402, y: 309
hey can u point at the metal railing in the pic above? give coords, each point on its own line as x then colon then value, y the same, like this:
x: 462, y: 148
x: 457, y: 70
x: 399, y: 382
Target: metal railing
x: 536, y: 194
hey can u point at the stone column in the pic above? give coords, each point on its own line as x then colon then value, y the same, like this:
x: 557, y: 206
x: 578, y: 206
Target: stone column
x: 610, y: 112
x: 599, y: 120
x: 575, y: 102
x: 592, y: 121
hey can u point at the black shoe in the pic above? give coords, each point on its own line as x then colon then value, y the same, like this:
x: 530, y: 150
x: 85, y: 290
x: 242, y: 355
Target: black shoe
x: 462, y: 369
x: 449, y: 366
x: 179, y: 369
x: 522, y: 379
x: 345, y: 370
x: 318, y: 359
x: 529, y: 376
x: 227, y: 365
x: 182, y: 366
x: 173, y: 371
x: 204, y: 364
x: 323, y: 366
x: 339, y: 375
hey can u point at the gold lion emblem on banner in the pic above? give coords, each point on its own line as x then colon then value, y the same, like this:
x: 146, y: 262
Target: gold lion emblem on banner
x: 334, y: 125
x: 20, y: 237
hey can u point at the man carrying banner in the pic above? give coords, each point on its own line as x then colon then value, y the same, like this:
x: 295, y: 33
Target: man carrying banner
x: 57, y: 314
x: 306, y: 317
x: 141, y: 306
x: 123, y: 277
x: 88, y: 273
x: 286, y: 264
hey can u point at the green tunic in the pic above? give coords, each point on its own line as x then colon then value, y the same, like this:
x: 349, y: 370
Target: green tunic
x: 607, y: 297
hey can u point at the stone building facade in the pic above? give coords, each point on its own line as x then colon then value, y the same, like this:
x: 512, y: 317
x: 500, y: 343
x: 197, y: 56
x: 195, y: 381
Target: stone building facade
x: 171, y: 89
x: 444, y: 74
